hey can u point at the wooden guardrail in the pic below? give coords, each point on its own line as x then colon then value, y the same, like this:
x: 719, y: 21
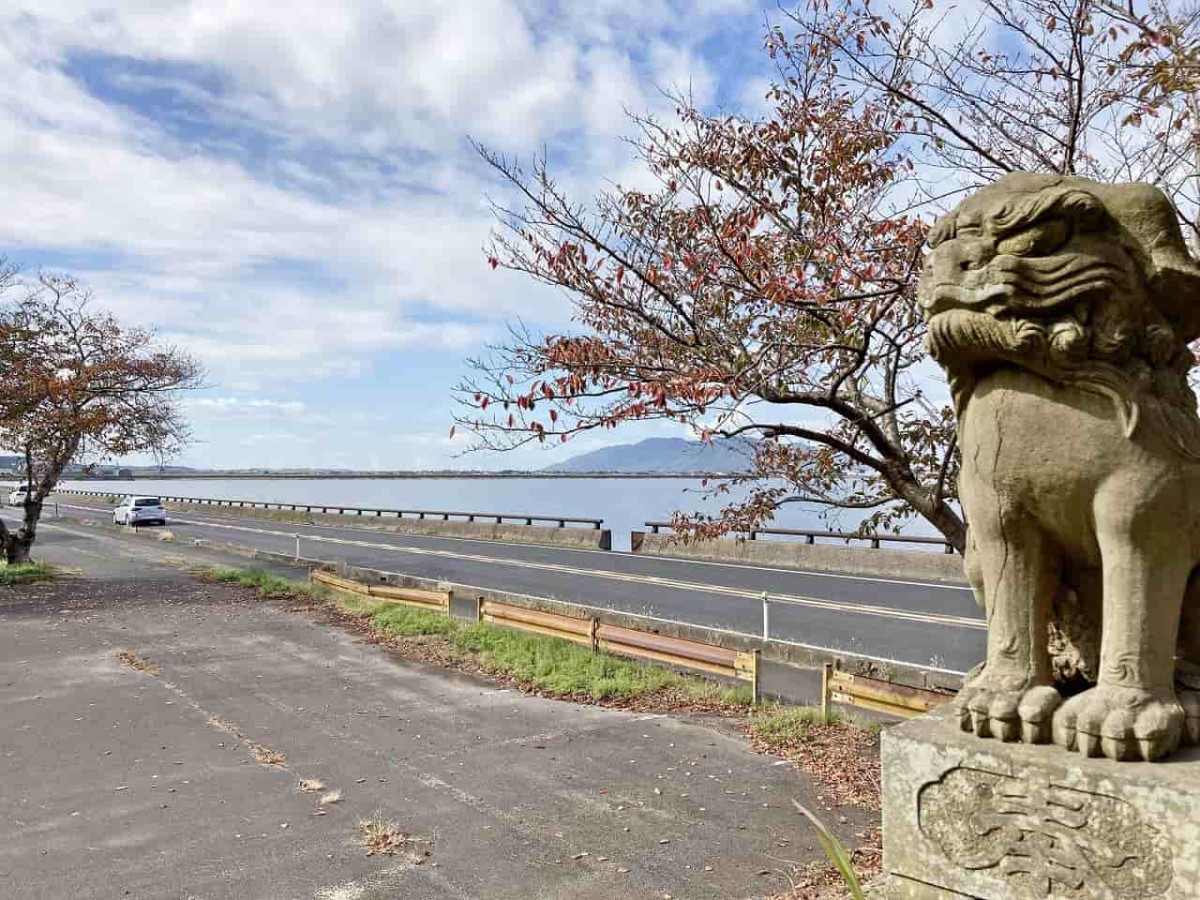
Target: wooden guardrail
x: 438, y: 601
x: 342, y: 509
x: 876, y: 695
x: 589, y: 632
x: 810, y: 537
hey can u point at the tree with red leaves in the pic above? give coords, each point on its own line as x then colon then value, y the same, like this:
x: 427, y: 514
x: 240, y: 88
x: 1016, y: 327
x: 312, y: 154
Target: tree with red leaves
x: 77, y: 384
x: 764, y: 286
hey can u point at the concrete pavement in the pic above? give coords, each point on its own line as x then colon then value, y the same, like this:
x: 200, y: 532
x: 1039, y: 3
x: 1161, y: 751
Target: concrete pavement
x: 120, y: 783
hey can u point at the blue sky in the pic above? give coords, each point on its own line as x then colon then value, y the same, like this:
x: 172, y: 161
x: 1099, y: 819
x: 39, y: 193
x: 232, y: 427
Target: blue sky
x: 287, y: 190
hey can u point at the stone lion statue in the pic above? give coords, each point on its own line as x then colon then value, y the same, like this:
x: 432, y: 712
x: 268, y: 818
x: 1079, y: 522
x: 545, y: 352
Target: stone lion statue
x: 1061, y: 310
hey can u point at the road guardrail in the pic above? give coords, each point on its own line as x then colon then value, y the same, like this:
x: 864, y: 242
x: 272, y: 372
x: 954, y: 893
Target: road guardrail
x: 388, y: 593
x: 865, y: 692
x: 342, y: 509
x: 811, y: 537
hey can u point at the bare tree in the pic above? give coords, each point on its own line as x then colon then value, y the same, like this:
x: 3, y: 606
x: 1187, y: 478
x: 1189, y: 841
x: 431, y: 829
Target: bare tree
x: 1097, y: 88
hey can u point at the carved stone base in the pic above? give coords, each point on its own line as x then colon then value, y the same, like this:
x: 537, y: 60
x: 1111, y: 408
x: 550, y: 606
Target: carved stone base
x: 965, y: 817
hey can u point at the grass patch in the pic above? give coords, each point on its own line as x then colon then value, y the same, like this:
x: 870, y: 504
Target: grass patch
x: 701, y: 690
x: 408, y: 621
x: 268, y: 586
x: 379, y: 834
x: 782, y: 727
x: 25, y: 573
x: 546, y: 664
x: 561, y: 667
x: 841, y: 753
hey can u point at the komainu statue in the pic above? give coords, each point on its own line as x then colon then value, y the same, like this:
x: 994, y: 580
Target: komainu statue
x: 1061, y: 310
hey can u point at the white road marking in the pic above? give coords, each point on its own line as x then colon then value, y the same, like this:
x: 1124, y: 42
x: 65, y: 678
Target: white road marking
x: 810, y: 602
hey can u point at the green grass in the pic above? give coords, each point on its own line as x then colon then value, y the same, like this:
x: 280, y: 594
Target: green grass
x: 268, y: 586
x: 548, y: 664
x: 407, y: 621
x: 561, y: 667
x: 783, y: 726
x: 25, y: 573
x: 702, y: 690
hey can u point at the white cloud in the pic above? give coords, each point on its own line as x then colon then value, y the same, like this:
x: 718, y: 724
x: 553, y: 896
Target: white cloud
x: 286, y: 190
x: 253, y: 405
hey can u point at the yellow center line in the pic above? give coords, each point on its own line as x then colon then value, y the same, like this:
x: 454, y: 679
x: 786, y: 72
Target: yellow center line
x: 864, y: 609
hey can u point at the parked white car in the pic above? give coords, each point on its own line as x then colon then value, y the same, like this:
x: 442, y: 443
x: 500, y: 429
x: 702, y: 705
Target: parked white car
x: 140, y: 511
x: 17, y: 495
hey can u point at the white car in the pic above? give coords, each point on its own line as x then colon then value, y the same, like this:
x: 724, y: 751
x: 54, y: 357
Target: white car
x: 140, y: 511
x: 18, y: 494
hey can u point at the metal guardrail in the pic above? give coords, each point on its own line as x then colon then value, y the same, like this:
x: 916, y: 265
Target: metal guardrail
x: 589, y: 632
x: 341, y: 509
x: 523, y: 618
x: 435, y: 600
x: 742, y: 665
x: 810, y: 537
x: 878, y: 696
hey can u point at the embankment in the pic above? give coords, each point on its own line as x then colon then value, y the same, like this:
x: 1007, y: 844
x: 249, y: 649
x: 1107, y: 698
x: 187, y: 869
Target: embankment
x: 902, y: 564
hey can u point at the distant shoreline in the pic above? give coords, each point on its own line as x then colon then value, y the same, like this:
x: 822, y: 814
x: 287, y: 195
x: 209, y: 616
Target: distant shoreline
x: 429, y: 476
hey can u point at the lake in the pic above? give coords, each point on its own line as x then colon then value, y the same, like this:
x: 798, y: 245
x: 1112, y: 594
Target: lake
x: 625, y: 504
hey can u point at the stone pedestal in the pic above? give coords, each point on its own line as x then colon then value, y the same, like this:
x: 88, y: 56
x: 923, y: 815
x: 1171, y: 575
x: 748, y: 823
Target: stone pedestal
x: 975, y: 818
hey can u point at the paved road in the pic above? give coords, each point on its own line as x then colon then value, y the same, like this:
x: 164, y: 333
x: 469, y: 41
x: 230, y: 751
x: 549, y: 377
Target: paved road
x: 117, y: 783
x: 915, y: 623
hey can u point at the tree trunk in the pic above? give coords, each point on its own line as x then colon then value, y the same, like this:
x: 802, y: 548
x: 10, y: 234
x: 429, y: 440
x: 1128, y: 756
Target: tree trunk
x: 17, y: 544
x: 950, y: 524
x: 938, y: 513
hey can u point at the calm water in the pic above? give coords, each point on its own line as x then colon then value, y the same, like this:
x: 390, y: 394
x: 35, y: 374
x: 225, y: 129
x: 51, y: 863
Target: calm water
x: 624, y: 503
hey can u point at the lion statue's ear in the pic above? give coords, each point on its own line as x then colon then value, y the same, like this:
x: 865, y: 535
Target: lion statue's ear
x: 1177, y: 293
x: 1152, y: 228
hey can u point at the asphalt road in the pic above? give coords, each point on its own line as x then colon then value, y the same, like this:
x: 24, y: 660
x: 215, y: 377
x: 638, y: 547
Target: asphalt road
x: 180, y: 779
x: 916, y: 623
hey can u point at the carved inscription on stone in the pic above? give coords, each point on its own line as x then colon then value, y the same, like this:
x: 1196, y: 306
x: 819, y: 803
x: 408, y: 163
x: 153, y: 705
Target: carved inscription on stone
x: 1042, y: 839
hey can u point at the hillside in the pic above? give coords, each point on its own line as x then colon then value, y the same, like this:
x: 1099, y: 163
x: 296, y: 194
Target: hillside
x: 662, y: 455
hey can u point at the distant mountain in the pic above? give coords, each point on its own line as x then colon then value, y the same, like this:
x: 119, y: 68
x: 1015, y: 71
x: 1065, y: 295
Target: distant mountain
x: 663, y: 455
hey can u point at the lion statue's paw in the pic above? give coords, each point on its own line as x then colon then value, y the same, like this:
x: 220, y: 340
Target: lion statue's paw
x: 1187, y: 689
x: 1010, y: 709
x: 1121, y: 723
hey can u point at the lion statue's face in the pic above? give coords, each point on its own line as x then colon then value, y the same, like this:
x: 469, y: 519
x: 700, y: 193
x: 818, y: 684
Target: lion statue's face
x: 1051, y: 273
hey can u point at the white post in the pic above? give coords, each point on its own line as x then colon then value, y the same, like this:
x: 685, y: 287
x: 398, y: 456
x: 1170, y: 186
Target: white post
x: 766, y: 616
x: 297, y: 537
